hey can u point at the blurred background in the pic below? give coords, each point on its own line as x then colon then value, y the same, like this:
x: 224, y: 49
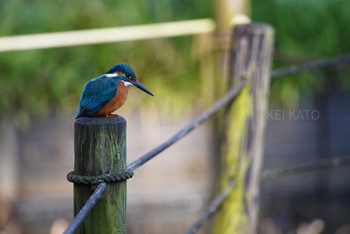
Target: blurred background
x: 40, y: 89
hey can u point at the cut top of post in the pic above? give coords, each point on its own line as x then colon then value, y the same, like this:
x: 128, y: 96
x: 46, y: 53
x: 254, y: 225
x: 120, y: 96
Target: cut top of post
x: 99, y: 120
x: 100, y: 145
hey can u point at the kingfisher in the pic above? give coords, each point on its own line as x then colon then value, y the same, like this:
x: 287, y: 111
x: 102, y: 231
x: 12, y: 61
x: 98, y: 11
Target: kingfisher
x: 106, y: 93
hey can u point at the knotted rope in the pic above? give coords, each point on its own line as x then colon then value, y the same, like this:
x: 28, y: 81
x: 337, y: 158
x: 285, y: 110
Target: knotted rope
x: 94, y: 180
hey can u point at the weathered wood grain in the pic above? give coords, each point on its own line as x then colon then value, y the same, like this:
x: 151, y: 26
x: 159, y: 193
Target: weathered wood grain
x: 244, y: 126
x: 100, y: 147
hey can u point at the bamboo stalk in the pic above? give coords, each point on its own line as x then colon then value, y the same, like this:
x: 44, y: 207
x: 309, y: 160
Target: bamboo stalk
x: 106, y: 35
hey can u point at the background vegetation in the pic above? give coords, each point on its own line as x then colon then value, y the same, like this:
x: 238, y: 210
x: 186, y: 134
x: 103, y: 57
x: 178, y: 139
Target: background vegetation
x: 35, y: 81
x: 306, y: 30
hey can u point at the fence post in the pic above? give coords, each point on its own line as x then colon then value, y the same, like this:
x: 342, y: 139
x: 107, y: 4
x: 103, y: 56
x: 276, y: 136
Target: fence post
x: 244, y: 123
x: 100, y: 148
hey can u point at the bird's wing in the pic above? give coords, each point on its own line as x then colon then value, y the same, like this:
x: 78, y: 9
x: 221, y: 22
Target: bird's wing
x: 97, y: 93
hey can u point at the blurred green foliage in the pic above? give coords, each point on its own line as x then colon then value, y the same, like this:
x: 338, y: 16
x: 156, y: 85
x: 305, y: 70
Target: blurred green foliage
x: 34, y: 81
x: 306, y: 30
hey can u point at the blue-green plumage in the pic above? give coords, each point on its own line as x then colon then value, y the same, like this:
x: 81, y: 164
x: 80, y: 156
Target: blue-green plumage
x: 97, y: 93
x: 101, y: 95
x: 122, y: 67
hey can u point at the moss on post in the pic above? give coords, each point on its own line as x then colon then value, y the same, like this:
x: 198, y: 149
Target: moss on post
x: 242, y: 145
x: 100, y: 148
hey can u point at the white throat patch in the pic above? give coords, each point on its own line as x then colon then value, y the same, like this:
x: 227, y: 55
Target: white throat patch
x: 111, y: 75
x: 127, y: 84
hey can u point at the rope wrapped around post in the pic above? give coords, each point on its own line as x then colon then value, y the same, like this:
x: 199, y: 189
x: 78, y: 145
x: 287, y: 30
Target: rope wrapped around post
x: 94, y: 180
x: 100, y: 161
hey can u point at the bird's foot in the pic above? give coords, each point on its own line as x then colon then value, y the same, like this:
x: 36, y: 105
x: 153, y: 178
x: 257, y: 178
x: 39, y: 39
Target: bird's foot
x: 111, y: 115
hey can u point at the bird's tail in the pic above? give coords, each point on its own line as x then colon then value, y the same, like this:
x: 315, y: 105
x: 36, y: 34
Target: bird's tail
x: 78, y: 112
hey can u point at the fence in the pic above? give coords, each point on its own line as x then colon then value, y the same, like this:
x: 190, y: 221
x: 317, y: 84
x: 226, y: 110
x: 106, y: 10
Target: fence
x: 100, y: 170
x: 100, y: 143
x: 95, y: 36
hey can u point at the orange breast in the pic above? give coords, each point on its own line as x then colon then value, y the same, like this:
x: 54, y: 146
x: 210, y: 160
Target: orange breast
x: 116, y: 102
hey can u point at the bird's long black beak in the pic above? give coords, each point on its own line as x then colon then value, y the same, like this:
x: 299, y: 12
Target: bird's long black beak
x: 141, y: 86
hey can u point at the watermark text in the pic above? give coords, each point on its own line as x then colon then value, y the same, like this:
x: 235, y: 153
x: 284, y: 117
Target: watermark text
x: 293, y: 114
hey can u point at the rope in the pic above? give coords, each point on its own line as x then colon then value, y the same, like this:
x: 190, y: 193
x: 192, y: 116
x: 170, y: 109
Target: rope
x: 224, y: 100
x: 94, y: 180
x: 310, y: 65
x: 84, y: 211
x: 213, y: 208
x: 306, y: 167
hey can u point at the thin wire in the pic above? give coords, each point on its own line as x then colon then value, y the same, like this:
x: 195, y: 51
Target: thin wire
x: 86, y: 208
x: 314, y: 64
x: 228, y: 97
x: 305, y: 167
x: 267, y: 174
x: 212, y: 208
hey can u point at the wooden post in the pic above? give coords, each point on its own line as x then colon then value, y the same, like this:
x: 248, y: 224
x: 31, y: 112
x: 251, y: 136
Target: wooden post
x: 226, y: 13
x: 242, y: 147
x: 100, y: 148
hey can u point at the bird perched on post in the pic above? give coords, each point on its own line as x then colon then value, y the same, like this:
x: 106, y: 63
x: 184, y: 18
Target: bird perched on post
x: 106, y: 93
